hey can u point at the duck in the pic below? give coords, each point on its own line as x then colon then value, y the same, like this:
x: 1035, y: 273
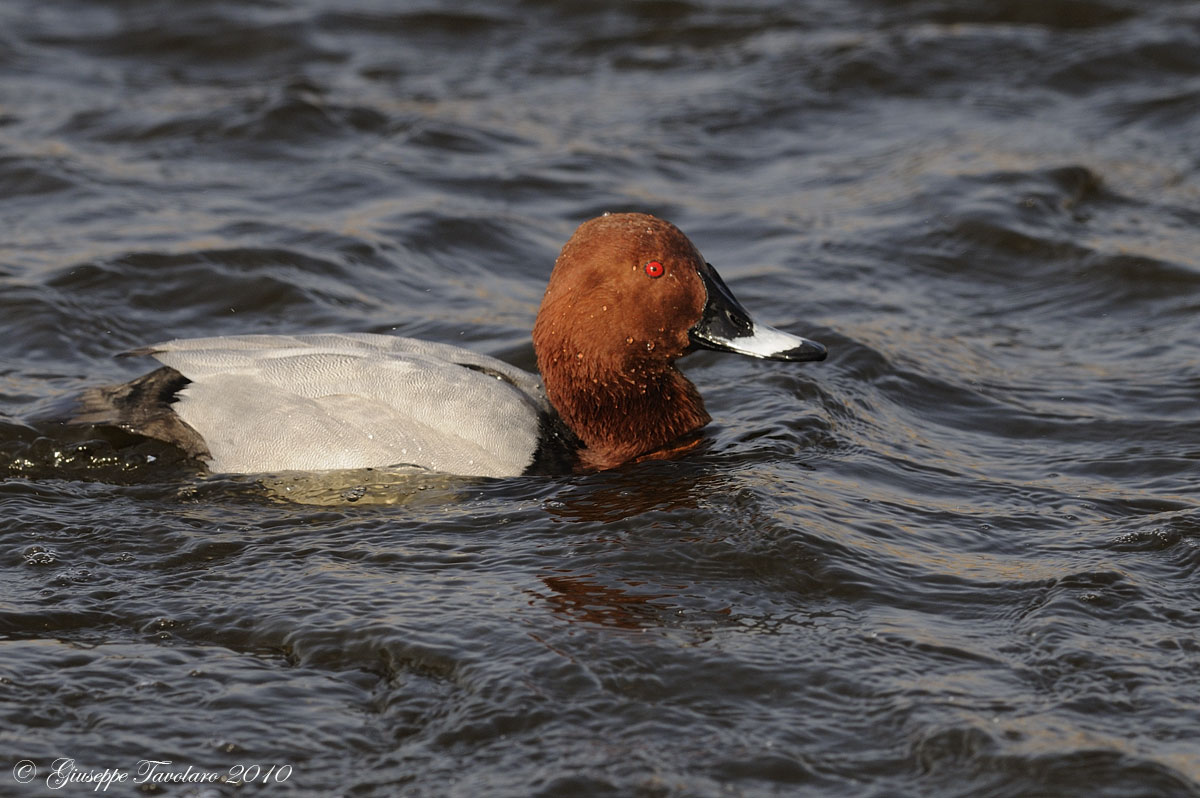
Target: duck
x: 628, y: 295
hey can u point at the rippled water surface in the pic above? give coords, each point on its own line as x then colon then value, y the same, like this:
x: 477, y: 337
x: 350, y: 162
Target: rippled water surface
x: 959, y: 558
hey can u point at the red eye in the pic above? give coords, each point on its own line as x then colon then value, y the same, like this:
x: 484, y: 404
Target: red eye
x: 655, y: 269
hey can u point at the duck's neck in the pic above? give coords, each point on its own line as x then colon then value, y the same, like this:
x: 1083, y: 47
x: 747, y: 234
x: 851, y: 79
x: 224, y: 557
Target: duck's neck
x: 622, y: 413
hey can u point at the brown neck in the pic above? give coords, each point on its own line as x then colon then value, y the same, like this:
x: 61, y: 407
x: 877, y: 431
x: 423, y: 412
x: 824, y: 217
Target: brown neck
x: 621, y: 415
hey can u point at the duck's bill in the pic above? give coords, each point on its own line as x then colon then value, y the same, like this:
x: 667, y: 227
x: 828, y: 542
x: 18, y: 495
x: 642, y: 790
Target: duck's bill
x: 764, y: 342
x: 726, y: 326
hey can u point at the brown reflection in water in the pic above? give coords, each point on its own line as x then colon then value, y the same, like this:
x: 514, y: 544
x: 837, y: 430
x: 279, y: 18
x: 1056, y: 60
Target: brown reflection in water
x: 577, y: 597
x: 616, y: 496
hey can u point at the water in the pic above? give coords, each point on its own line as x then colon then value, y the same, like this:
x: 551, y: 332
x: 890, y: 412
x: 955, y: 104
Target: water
x: 959, y: 558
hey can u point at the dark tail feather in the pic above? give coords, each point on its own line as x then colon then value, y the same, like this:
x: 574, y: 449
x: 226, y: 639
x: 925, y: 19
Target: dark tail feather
x: 143, y: 407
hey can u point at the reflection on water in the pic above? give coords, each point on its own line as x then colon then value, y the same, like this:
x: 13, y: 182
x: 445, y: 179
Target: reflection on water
x: 376, y: 486
x: 576, y: 597
x: 649, y: 487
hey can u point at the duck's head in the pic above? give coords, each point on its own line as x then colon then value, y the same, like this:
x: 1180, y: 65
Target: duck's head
x: 629, y: 294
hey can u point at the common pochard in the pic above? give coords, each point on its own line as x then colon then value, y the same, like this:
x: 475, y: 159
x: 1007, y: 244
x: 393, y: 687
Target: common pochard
x: 628, y: 295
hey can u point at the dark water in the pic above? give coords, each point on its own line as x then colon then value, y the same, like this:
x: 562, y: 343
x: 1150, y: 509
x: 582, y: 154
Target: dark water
x: 959, y: 558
